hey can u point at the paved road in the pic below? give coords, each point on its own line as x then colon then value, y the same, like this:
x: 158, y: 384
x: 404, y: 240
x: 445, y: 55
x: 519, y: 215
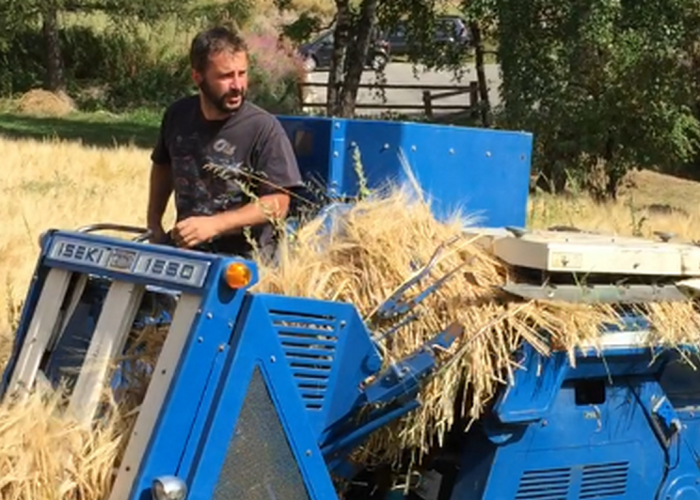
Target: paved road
x: 403, y: 73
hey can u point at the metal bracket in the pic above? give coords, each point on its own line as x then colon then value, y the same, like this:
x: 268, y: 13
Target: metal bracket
x: 396, y: 305
x: 607, y: 294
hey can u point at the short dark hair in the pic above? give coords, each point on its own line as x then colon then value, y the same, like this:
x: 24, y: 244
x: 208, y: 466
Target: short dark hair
x: 212, y: 41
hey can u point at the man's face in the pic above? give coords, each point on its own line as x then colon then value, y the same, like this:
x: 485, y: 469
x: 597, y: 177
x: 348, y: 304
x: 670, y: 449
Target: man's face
x: 225, y: 80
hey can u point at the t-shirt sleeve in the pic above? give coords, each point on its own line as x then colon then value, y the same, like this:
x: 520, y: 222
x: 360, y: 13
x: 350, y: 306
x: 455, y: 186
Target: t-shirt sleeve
x: 277, y: 162
x: 160, y: 154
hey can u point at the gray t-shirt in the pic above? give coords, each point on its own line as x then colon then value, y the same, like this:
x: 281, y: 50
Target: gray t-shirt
x: 250, y: 147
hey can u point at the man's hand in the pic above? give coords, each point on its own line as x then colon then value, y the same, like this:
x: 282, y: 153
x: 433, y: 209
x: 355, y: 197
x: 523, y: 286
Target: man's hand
x: 158, y: 235
x: 193, y: 231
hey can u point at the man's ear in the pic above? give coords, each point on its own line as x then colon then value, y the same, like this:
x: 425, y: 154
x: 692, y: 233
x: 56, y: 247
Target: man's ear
x: 196, y: 77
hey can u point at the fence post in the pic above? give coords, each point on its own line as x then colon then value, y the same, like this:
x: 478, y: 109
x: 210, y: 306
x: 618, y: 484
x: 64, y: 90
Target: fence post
x: 428, y: 103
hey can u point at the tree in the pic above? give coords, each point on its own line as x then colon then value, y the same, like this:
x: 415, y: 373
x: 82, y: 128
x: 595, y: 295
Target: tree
x: 17, y: 14
x: 352, y: 34
x: 354, y: 27
x: 602, y: 84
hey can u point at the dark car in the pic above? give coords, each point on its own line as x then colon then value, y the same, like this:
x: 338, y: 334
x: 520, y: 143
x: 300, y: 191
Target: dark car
x: 317, y: 53
x: 449, y: 31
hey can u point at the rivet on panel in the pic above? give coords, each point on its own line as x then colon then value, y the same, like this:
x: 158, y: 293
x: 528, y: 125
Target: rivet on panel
x: 488, y: 153
x: 200, y: 339
x: 273, y: 359
x: 335, y: 154
x: 209, y: 315
x: 413, y: 148
x: 386, y: 146
x: 452, y: 151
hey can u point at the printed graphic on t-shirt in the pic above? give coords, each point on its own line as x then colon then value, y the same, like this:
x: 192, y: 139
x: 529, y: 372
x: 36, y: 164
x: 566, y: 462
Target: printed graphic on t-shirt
x: 201, y: 192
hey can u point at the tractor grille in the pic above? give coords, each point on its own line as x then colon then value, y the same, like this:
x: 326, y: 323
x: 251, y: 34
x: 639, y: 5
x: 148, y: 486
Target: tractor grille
x: 602, y: 481
x: 547, y: 484
x: 259, y: 464
x: 596, y: 481
x: 309, y: 343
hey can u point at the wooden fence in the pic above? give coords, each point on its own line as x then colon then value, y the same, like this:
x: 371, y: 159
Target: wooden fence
x: 428, y: 104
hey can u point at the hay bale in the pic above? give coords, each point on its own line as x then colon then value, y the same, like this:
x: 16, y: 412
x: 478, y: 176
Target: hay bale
x: 39, y: 102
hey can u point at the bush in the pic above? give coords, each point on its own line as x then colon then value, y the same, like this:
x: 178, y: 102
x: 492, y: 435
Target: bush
x: 276, y: 72
x: 119, y: 71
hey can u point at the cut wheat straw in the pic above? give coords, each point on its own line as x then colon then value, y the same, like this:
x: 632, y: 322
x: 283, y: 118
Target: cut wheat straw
x: 378, y: 244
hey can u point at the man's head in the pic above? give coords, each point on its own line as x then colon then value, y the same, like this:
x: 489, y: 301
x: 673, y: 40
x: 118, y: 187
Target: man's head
x: 219, y: 61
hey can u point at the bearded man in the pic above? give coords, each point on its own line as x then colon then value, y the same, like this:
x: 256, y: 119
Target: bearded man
x: 229, y: 163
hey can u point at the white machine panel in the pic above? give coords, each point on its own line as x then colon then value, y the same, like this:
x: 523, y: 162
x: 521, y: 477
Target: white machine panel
x: 593, y: 253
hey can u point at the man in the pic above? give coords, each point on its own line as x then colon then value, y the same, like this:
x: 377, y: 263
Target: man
x: 255, y: 166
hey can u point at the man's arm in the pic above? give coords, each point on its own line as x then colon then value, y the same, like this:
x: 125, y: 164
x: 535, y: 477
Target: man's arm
x: 160, y: 189
x: 269, y: 207
x: 160, y: 184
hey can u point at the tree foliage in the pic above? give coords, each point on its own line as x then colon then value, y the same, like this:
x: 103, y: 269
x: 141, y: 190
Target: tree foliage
x: 19, y: 15
x: 605, y: 85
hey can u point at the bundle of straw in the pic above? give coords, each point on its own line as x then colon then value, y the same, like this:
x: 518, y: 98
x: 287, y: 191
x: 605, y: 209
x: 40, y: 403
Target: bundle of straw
x: 376, y: 245
x: 46, y: 453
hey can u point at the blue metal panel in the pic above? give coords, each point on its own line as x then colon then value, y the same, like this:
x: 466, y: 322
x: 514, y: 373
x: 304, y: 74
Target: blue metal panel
x: 210, y: 334
x: 256, y: 345
x: 479, y: 172
x: 622, y: 439
x: 531, y: 397
x: 344, y: 360
x: 577, y: 451
x: 51, y: 256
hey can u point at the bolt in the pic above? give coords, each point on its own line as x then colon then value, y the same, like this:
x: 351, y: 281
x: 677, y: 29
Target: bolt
x: 335, y: 154
x: 230, y: 324
x: 452, y: 151
x: 210, y: 315
x: 221, y: 347
x: 488, y: 153
x: 413, y: 148
x: 308, y: 453
x: 273, y: 359
x: 200, y: 339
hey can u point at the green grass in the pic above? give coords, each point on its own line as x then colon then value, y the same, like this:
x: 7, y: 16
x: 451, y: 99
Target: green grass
x: 97, y: 129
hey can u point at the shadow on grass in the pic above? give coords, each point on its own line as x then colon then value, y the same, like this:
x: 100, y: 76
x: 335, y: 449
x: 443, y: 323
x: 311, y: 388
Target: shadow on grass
x: 139, y: 129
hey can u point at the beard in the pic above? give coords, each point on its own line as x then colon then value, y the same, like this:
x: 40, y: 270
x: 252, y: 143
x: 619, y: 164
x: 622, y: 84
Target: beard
x: 219, y: 101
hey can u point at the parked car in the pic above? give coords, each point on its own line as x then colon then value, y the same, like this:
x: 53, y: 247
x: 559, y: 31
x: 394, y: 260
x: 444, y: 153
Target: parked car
x: 449, y: 30
x: 317, y: 53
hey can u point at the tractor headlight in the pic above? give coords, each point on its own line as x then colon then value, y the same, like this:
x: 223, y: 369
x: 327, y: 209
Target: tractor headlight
x: 168, y: 488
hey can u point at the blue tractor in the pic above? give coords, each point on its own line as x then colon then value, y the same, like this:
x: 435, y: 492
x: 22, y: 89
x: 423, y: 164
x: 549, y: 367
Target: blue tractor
x: 259, y: 396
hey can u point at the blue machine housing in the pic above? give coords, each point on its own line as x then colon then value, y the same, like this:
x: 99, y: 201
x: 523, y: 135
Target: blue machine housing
x: 621, y: 426
x: 475, y: 172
